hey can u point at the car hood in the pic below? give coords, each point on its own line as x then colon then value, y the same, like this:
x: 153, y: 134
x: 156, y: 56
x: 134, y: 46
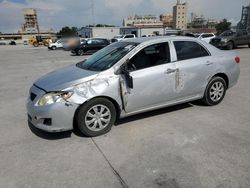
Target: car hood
x: 64, y: 78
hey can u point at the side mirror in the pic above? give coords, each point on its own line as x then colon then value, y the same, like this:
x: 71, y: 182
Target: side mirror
x: 124, y: 71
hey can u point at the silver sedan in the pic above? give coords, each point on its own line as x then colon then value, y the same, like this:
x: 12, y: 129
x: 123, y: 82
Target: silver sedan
x: 131, y: 77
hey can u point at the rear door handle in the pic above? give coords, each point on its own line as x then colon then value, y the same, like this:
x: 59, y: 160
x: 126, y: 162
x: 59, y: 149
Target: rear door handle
x: 169, y: 71
x: 209, y: 63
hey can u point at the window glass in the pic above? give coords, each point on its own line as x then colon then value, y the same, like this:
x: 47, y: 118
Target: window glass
x: 153, y: 55
x: 129, y: 36
x: 189, y: 50
x: 107, y: 57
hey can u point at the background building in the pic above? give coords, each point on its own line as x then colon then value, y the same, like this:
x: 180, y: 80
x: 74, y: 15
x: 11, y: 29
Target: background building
x: 30, y: 21
x: 245, y: 19
x: 142, y: 21
x: 167, y: 20
x: 103, y: 32
x: 180, y: 15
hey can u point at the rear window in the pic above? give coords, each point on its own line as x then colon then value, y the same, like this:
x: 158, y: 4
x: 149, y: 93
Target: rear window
x: 189, y: 50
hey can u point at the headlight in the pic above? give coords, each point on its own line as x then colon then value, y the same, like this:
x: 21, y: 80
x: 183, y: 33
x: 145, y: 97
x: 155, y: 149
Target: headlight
x: 223, y: 40
x: 50, y: 98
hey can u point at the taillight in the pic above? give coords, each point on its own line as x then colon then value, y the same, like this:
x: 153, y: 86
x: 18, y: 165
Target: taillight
x: 237, y: 60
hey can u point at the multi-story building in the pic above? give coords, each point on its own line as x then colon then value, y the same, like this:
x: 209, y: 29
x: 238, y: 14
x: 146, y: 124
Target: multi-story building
x: 31, y: 24
x: 245, y: 19
x: 167, y: 20
x: 142, y: 21
x: 180, y: 15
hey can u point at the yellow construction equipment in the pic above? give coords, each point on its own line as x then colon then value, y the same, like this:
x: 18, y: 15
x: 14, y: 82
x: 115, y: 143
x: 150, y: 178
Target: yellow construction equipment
x: 39, y: 40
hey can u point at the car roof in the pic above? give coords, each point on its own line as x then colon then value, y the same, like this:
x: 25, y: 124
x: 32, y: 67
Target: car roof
x: 159, y: 38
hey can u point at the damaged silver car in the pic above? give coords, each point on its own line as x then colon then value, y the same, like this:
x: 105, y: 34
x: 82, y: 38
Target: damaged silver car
x: 131, y: 77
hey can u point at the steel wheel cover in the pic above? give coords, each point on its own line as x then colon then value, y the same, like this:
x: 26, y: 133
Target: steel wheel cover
x: 216, y: 91
x: 97, y: 117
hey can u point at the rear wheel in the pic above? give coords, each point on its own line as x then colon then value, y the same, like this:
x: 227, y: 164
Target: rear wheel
x: 96, y: 117
x: 215, y: 91
x: 80, y: 52
x: 248, y: 45
x: 53, y: 47
x: 230, y: 45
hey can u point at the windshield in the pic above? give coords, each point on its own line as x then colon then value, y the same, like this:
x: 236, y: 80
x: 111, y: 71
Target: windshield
x: 107, y: 57
x: 227, y: 33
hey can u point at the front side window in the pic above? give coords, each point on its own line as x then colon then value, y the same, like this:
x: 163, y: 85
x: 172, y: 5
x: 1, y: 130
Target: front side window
x: 189, y: 49
x: 153, y: 55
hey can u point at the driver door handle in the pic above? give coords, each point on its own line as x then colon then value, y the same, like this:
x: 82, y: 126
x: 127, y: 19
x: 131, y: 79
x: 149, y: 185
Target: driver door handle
x: 209, y: 63
x: 169, y: 71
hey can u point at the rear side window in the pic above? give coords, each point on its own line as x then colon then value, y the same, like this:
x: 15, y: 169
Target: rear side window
x: 189, y: 50
x: 129, y: 36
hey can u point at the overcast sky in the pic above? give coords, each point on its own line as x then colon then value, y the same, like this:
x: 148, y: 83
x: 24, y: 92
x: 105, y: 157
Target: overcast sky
x: 58, y: 13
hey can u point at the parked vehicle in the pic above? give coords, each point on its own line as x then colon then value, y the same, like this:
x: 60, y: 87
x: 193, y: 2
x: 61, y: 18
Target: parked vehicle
x: 73, y: 43
x: 152, y: 35
x: 25, y: 42
x: 122, y: 37
x: 230, y: 39
x: 206, y: 36
x: 56, y: 45
x: 12, y: 42
x: 3, y: 42
x: 90, y: 46
x: 131, y: 77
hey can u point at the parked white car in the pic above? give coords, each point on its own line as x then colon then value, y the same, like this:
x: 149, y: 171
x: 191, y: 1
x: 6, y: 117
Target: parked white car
x: 206, y: 36
x: 56, y: 45
x: 118, y: 38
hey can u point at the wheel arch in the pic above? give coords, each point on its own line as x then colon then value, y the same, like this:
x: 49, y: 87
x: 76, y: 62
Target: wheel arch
x: 114, y: 102
x: 224, y: 76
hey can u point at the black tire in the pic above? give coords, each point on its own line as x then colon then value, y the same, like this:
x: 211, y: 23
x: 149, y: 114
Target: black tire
x: 230, y: 45
x: 35, y: 44
x: 80, y: 52
x: 53, y: 47
x: 208, y: 97
x: 81, y: 117
x: 248, y: 45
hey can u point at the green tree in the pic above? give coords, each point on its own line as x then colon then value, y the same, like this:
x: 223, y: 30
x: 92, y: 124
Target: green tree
x: 68, y: 32
x: 223, y: 26
x: 104, y: 25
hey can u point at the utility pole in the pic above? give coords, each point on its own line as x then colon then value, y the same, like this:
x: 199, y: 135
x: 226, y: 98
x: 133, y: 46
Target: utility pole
x: 93, y: 12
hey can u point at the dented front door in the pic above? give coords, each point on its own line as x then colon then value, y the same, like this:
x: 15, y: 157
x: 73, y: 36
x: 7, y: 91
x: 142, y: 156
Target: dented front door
x: 152, y: 86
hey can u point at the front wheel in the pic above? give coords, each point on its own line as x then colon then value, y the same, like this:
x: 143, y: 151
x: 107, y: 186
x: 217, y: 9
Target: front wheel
x: 248, y: 45
x: 96, y: 117
x: 230, y: 45
x: 215, y: 91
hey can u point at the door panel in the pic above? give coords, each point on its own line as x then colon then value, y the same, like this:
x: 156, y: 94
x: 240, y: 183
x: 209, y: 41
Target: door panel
x: 152, y: 86
x: 193, y: 76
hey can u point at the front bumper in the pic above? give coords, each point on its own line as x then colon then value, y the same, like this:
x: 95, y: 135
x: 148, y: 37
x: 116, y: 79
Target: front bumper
x: 56, y: 117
